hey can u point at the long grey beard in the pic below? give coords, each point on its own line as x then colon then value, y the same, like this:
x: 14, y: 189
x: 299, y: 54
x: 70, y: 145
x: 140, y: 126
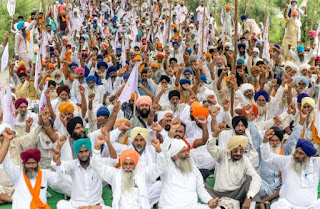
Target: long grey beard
x: 92, y: 91
x: 32, y: 173
x: 174, y: 107
x: 201, y: 89
x: 185, y: 165
x: 275, y: 150
x: 300, y: 166
x: 283, y: 102
x: 263, y: 109
x: 251, y: 101
x: 22, y: 118
x: 255, y: 80
x: 127, y: 182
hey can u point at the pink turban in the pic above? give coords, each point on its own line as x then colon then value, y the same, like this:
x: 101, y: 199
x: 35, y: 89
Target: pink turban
x: 312, y: 33
x: 30, y: 153
x: 79, y: 70
x: 144, y: 100
x: 19, y: 102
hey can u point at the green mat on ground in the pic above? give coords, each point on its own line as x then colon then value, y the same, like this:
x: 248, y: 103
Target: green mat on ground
x: 106, y: 195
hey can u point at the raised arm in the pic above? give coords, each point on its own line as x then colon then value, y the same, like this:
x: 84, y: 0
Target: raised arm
x: 8, y: 135
x: 205, y: 133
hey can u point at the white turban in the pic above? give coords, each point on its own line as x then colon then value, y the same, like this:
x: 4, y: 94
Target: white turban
x: 304, y: 66
x: 176, y: 147
x: 291, y: 64
x: 208, y: 93
x: 255, y: 49
x: 161, y: 114
x: 246, y: 86
x: 3, y: 126
x: 228, y: 44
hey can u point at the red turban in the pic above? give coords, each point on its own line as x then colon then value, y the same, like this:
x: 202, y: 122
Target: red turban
x: 21, y: 69
x: 312, y: 33
x: 131, y: 154
x: 63, y: 88
x: 254, y: 109
x: 317, y: 59
x: 30, y: 153
x: 19, y: 102
x: 200, y: 112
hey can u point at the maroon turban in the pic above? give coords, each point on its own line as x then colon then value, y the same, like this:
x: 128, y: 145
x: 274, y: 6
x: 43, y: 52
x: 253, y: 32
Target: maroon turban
x: 63, y: 88
x: 19, y: 102
x: 30, y: 153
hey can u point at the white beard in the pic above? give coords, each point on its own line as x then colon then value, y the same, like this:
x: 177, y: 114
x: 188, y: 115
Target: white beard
x: 283, y: 102
x: 275, y: 150
x: 174, y: 108
x: 184, y: 165
x: 255, y: 80
x: 185, y: 93
x: 263, y: 109
x: 21, y: 118
x: 92, y: 90
x: 299, y: 166
x: 127, y: 182
x: 201, y: 89
x: 251, y: 101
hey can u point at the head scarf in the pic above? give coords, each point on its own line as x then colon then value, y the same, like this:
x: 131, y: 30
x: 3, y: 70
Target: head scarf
x: 102, y: 64
x: 78, y: 144
x: 208, y: 93
x: 307, y: 147
x: 129, y: 154
x: 237, y: 119
x: 241, y: 60
x: 79, y: 70
x: 237, y: 141
x: 19, y: 102
x: 139, y: 131
x: 72, y: 124
x: 30, y: 153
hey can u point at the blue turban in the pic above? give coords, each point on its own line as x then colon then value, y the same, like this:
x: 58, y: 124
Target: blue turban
x: 277, y: 46
x: 102, y: 64
x: 103, y: 111
x: 279, y: 80
x: 118, y: 49
x: 240, y: 60
x: 114, y: 18
x: 263, y: 93
x: 84, y: 55
x: 185, y: 81
x: 94, y: 21
x: 258, y: 42
x: 189, y: 50
x: 78, y: 144
x: 242, y: 38
x: 304, y: 79
x: 91, y: 78
x: 242, y: 46
x: 73, y: 64
x: 100, y: 56
x: 244, y: 17
x: 307, y: 147
x: 126, y: 76
x: 20, y: 24
x: 300, y: 49
x: 111, y: 69
x: 100, y: 38
x: 188, y: 70
x: 175, y: 42
x: 301, y: 96
x: 203, y: 78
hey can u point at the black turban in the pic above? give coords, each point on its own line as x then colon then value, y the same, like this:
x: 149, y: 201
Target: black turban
x: 237, y: 119
x: 278, y: 132
x: 72, y: 124
x: 173, y: 59
x: 164, y: 77
x: 63, y: 88
x: 174, y: 93
x: 52, y: 82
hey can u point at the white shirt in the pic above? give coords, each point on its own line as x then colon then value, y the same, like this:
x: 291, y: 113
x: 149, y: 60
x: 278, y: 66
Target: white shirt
x: 181, y: 190
x: 231, y: 175
x: 130, y: 199
x: 299, y: 189
x: 86, y: 183
x: 22, y: 196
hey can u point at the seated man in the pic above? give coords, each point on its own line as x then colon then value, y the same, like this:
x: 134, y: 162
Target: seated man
x: 182, y: 181
x: 300, y: 174
x: 129, y: 183
x: 235, y: 176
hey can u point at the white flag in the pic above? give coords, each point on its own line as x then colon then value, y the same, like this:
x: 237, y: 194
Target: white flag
x: 123, y: 53
x: 11, y: 7
x: 5, y: 58
x: 43, y: 100
x: 266, y: 48
x: 9, y: 116
x: 37, y: 71
x: 318, y: 29
x: 131, y: 85
x: 223, y: 33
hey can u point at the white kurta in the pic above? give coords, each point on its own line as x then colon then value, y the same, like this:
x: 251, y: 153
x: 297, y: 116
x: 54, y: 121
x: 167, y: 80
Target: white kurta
x: 298, y: 191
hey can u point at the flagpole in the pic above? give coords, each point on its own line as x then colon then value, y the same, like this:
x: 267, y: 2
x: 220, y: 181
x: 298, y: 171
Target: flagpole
x: 266, y: 11
x: 235, y: 33
x: 203, y: 23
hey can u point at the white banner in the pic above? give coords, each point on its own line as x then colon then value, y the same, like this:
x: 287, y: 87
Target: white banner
x: 266, y: 48
x: 9, y: 115
x: 131, y: 85
x: 5, y: 58
x: 11, y: 7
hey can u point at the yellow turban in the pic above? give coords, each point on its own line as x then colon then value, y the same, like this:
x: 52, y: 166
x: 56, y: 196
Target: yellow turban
x: 308, y: 100
x: 138, y: 58
x: 254, y: 68
x: 66, y: 107
x: 21, y: 63
x: 237, y: 141
x: 139, y: 131
x: 155, y: 64
x: 119, y: 122
x: 48, y: 79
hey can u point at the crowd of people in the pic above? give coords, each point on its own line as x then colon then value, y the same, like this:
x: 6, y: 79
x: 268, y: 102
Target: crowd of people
x: 242, y: 111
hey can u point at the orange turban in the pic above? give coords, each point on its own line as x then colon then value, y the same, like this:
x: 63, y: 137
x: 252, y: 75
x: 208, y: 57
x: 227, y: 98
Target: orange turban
x: 255, y: 110
x: 132, y: 96
x: 227, y: 79
x: 208, y: 54
x: 228, y: 7
x: 138, y: 58
x: 254, y: 68
x: 295, y: 13
x: 200, y: 112
x: 66, y: 107
x: 195, y: 104
x: 48, y: 79
x: 119, y: 122
x: 21, y: 63
x: 155, y: 64
x: 175, y: 26
x: 159, y: 45
x: 143, y: 48
x: 161, y: 56
x: 129, y: 154
x: 51, y: 65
